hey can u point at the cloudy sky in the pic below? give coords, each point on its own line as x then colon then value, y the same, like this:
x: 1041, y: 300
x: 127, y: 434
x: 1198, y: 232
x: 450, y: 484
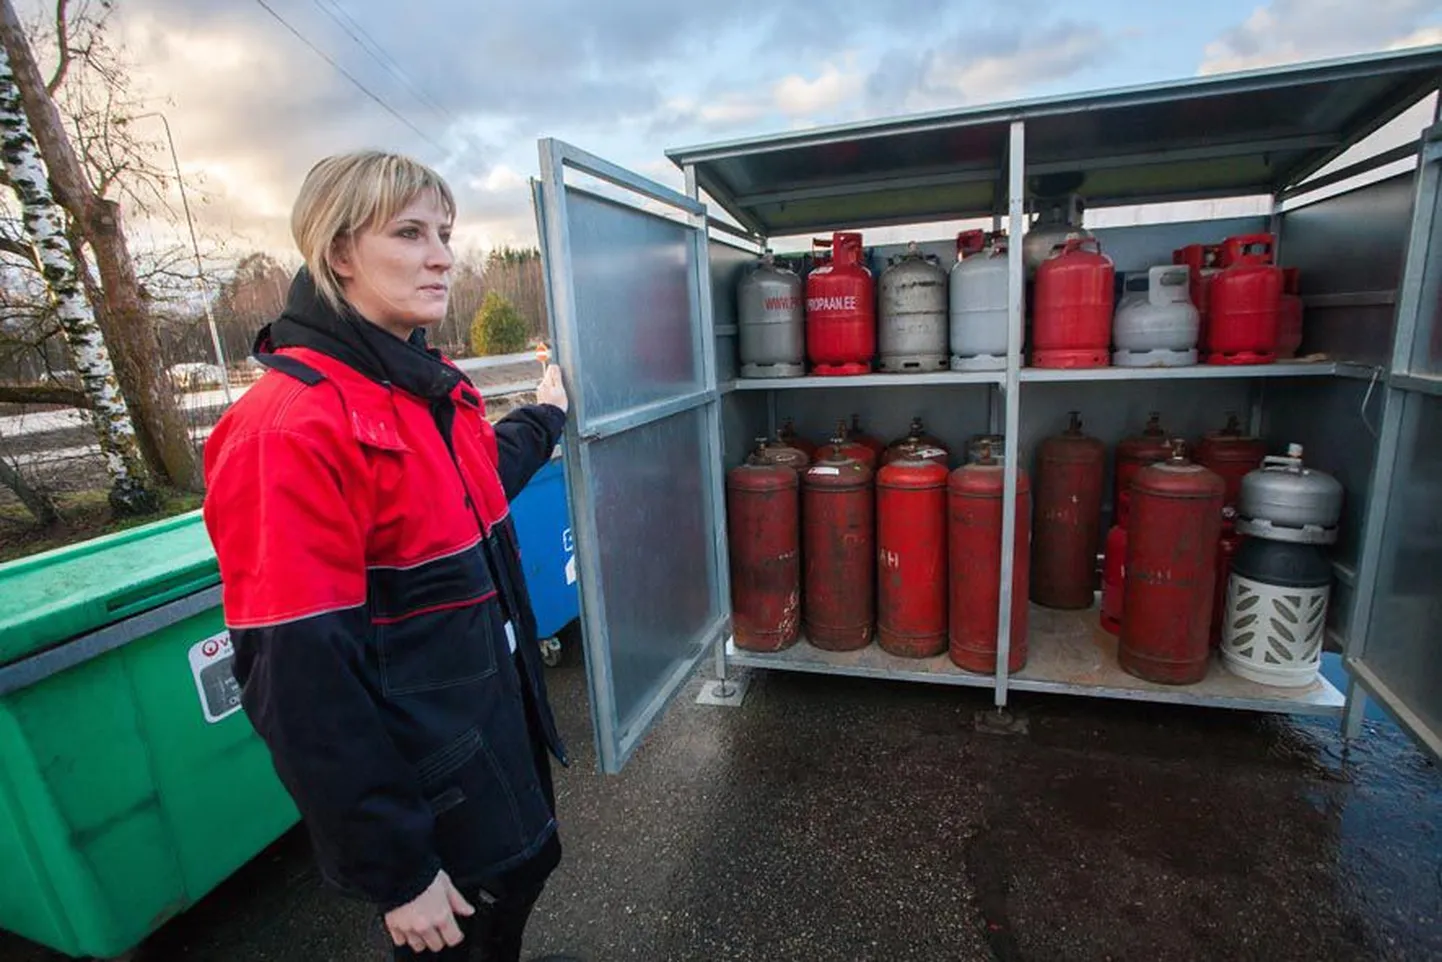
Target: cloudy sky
x: 252, y: 107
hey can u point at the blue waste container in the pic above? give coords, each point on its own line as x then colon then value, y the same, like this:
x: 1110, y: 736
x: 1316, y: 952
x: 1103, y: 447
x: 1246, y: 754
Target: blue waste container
x: 548, y: 555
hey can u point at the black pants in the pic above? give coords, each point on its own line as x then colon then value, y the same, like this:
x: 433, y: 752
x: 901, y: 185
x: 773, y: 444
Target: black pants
x: 495, y: 932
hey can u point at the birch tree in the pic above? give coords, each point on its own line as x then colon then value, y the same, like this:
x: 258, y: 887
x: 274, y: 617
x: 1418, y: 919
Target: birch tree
x: 45, y: 229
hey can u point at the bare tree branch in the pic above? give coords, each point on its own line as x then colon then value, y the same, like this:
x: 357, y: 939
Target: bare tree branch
x: 62, y: 43
x: 44, y: 394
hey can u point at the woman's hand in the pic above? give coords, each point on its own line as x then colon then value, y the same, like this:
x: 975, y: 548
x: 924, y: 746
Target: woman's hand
x: 429, y: 920
x: 551, y: 390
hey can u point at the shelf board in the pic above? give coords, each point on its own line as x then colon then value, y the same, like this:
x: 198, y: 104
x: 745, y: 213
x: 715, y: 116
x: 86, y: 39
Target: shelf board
x: 1070, y: 653
x: 1042, y: 375
x: 869, y: 662
x: 868, y: 380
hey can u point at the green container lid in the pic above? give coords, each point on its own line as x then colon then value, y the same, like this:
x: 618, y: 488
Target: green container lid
x: 57, y: 595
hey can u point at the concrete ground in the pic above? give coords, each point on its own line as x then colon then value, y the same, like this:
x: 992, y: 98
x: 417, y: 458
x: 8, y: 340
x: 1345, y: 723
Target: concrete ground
x: 840, y: 819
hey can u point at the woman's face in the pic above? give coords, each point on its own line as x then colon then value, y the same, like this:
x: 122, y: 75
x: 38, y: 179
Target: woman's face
x: 397, y: 274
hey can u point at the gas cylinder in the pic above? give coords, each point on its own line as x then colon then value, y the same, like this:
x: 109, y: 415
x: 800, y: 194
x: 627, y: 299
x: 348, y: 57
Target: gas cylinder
x: 983, y: 446
x: 777, y: 452
x: 788, y: 436
x: 917, y: 445
x: 762, y: 511
x: 978, y: 308
x: 1133, y: 454
x: 1203, y: 261
x: 969, y: 242
x: 848, y: 448
x: 1289, y: 322
x: 911, y: 558
x: 1058, y: 221
x: 1156, y: 323
x: 841, y: 311
x: 1114, y: 573
x: 839, y: 545
x: 1246, y: 302
x: 1073, y: 320
x: 1172, y: 533
x: 911, y: 314
x: 974, y: 503
x: 1231, y: 454
x: 1276, y: 618
x: 855, y: 433
x: 1286, y: 501
x: 1068, y: 518
x: 1226, y: 550
x: 771, y: 321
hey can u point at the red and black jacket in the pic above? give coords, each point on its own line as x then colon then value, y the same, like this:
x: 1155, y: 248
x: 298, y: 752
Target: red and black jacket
x: 357, y: 499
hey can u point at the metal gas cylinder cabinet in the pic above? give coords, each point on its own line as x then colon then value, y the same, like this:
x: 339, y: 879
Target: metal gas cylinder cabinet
x: 652, y: 435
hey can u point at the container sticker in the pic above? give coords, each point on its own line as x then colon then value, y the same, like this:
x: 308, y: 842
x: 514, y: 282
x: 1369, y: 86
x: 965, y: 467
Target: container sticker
x: 825, y: 470
x: 210, y: 664
x: 568, y: 545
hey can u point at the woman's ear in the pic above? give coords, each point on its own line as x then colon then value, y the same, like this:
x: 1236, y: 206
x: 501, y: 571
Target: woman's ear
x: 340, y: 257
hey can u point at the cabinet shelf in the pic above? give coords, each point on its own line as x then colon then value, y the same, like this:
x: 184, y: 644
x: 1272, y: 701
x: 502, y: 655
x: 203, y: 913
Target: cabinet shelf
x: 868, y: 380
x: 1070, y: 653
x: 1041, y: 375
x: 869, y: 662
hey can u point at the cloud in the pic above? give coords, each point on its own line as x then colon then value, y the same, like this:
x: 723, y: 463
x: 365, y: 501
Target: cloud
x: 1288, y: 31
x: 796, y: 96
x: 1016, y: 59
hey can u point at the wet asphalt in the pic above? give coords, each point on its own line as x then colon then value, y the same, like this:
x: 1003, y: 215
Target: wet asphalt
x: 847, y: 819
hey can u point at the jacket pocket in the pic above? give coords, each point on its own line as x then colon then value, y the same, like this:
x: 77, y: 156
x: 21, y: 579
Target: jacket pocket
x: 436, y: 650
x: 477, y: 808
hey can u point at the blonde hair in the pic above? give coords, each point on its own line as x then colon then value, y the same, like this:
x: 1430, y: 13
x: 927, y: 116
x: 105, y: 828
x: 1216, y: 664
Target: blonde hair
x: 348, y: 193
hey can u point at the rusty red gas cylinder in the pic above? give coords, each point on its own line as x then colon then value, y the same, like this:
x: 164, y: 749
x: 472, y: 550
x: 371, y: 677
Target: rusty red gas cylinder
x: 855, y: 433
x: 974, y: 505
x: 777, y: 452
x: 762, y: 522
x: 1231, y: 454
x: 1067, y: 521
x: 1133, y: 454
x: 838, y: 511
x: 1246, y: 303
x: 1226, y: 549
x: 1075, y: 295
x: 1114, y: 573
x: 911, y: 558
x: 1172, y: 535
x: 847, y: 448
x: 788, y: 436
x: 915, y: 436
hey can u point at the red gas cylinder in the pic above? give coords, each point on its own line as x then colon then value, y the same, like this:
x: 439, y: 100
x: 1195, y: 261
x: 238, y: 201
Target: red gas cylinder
x: 974, y: 494
x: 838, y: 510
x: 1172, y: 535
x: 1289, y: 322
x: 1114, y: 573
x: 762, y: 511
x: 863, y: 453
x: 1246, y: 303
x: 1231, y: 454
x: 788, y: 436
x: 918, y: 446
x: 1074, y: 299
x: 911, y: 558
x: 1133, y: 454
x: 969, y: 242
x: 1068, y: 518
x: 1205, y: 260
x: 841, y: 311
x: 775, y: 452
x: 1226, y: 548
x: 861, y: 437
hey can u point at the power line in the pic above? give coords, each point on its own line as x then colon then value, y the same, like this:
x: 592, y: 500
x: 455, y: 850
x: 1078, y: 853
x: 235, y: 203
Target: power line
x: 347, y: 75
x: 377, y: 53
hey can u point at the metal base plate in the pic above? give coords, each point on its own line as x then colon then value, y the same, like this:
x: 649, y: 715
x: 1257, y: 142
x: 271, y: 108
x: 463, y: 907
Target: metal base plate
x: 980, y: 362
x: 1000, y: 721
x: 1157, y: 358
x: 773, y: 370
x: 727, y: 694
x: 914, y: 364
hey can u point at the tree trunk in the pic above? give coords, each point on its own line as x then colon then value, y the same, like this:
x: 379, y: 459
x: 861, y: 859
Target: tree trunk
x: 124, y: 320
x: 45, y: 227
x: 37, y: 502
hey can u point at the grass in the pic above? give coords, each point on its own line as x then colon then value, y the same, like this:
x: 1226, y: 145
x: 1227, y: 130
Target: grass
x: 84, y: 515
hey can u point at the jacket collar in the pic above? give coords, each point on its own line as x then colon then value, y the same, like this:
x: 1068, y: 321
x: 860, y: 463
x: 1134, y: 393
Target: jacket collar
x: 309, y: 321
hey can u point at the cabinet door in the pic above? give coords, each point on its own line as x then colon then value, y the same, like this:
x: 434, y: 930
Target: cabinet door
x: 1396, y: 631
x: 629, y: 293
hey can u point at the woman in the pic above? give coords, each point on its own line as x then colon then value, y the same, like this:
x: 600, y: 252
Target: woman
x: 384, y: 641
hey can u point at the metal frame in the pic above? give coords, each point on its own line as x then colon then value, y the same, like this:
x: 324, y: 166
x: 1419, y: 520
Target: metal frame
x: 1016, y: 201
x: 615, y: 742
x: 1198, y: 372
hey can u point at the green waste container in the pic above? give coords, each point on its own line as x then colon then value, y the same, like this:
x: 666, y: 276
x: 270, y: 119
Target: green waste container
x: 131, y: 783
